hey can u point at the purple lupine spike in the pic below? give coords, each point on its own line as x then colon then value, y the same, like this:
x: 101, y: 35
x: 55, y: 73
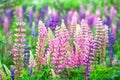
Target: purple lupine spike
x: 107, y: 21
x: 82, y: 12
x: 90, y: 20
x: 9, y: 14
x: 24, y: 7
x: 52, y: 21
x: 82, y: 15
x: 26, y: 56
x: 111, y: 42
x: 43, y: 11
x: 33, y: 31
x: 12, y: 72
x: 1, y: 19
x: 30, y: 17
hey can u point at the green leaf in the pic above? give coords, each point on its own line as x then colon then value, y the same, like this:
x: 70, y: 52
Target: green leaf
x: 53, y: 73
x: 6, y: 69
x: 2, y: 73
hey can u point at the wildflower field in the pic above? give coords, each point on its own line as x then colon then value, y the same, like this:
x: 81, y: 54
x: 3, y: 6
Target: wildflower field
x: 59, y: 40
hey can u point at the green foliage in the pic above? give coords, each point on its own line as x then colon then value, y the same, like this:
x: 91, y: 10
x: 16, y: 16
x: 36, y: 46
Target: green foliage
x: 73, y: 74
x: 4, y: 71
x: 105, y: 73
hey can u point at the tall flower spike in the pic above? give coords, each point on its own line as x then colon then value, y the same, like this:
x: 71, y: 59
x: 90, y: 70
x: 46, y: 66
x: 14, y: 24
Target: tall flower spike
x: 59, y: 44
x: 72, y: 26
x: 40, y: 48
x: 6, y: 24
x: 19, y: 48
x: 30, y: 18
x: 99, y: 41
x: 111, y: 42
x: 26, y: 57
x: 88, y: 47
x: 12, y: 72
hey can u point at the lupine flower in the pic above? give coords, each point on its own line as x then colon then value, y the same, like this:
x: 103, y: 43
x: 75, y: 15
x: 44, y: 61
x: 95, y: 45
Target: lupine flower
x: 111, y: 43
x: 30, y: 17
x: 64, y: 17
x: 26, y: 57
x: 99, y: 40
x: 43, y: 12
x: 6, y: 24
x: 89, y: 10
x: 106, y: 10
x: 36, y: 17
x: 73, y: 24
x: 107, y: 22
x: 82, y: 13
x: 1, y: 19
x: 19, y: 12
x: 52, y: 20
x: 88, y: 47
x: 9, y: 14
x: 40, y: 48
x: 19, y: 49
x: 90, y: 20
x: 58, y: 48
x: 70, y: 15
x: 98, y: 13
x: 24, y: 7
x: 114, y: 30
x: 113, y: 13
x: 12, y: 72
x: 72, y: 61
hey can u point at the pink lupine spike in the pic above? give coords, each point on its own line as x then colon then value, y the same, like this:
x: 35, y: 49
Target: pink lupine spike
x: 113, y: 12
x: 18, y: 50
x: 114, y: 30
x: 58, y: 48
x: 40, y: 48
x: 6, y: 24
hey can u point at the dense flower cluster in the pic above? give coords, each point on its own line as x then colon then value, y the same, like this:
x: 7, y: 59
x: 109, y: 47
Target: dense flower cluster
x: 19, y: 48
